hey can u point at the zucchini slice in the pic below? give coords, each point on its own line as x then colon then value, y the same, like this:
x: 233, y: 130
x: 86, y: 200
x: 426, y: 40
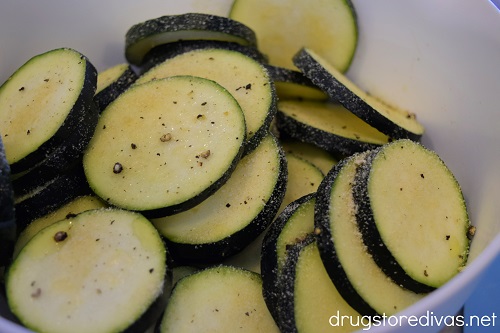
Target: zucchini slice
x: 7, y: 215
x: 112, y: 82
x: 390, y: 120
x: 235, y: 215
x: 166, y: 145
x: 295, y: 222
x: 246, y: 79
x: 412, y: 215
x: 292, y: 84
x: 68, y: 210
x: 328, y: 125
x: 43, y: 103
x: 104, y: 270
x: 310, y: 301
x: 283, y: 27
x: 351, y: 267
x: 218, y: 299
x: 163, y: 52
x: 144, y: 36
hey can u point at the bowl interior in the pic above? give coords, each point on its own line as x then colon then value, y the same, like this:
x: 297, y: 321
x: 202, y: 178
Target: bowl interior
x: 436, y: 59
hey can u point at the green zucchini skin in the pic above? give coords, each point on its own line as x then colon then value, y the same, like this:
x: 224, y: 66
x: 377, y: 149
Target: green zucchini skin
x: 326, y: 244
x: 269, y: 268
x: 65, y: 157
x: 109, y: 93
x: 199, y: 24
x: 50, y: 196
x: 163, y: 52
x: 327, y: 82
x: 214, y: 252
x: 75, y: 120
x: 7, y: 216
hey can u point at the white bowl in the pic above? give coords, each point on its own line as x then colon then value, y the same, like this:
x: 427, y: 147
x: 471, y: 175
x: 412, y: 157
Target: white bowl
x: 439, y: 59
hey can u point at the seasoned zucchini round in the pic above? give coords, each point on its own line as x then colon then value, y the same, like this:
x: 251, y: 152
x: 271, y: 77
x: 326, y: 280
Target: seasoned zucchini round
x: 43, y: 103
x: 412, y: 215
x: 166, y: 145
x: 104, y: 270
x: 218, y: 299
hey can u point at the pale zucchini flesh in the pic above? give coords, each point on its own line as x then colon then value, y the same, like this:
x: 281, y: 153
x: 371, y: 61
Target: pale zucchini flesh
x: 218, y: 299
x: 283, y: 27
x: 165, y: 145
x: 245, y: 78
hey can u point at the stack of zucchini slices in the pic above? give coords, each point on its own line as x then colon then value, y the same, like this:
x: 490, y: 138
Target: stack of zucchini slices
x: 205, y: 157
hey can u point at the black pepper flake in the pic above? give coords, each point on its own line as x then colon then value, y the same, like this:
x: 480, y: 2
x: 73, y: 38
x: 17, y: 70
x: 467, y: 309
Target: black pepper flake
x: 228, y: 205
x: 28, y: 132
x: 448, y: 237
x: 46, y: 80
x: 133, y: 145
x: 166, y: 137
x: 204, y: 103
x: 21, y: 89
x: 205, y: 154
x: 422, y: 175
x: 117, y: 168
x: 151, y: 270
x: 425, y: 272
x: 37, y: 293
x: 60, y: 236
x: 70, y: 215
x: 248, y: 86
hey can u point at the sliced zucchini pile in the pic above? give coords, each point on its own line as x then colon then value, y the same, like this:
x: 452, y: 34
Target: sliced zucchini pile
x: 183, y: 160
